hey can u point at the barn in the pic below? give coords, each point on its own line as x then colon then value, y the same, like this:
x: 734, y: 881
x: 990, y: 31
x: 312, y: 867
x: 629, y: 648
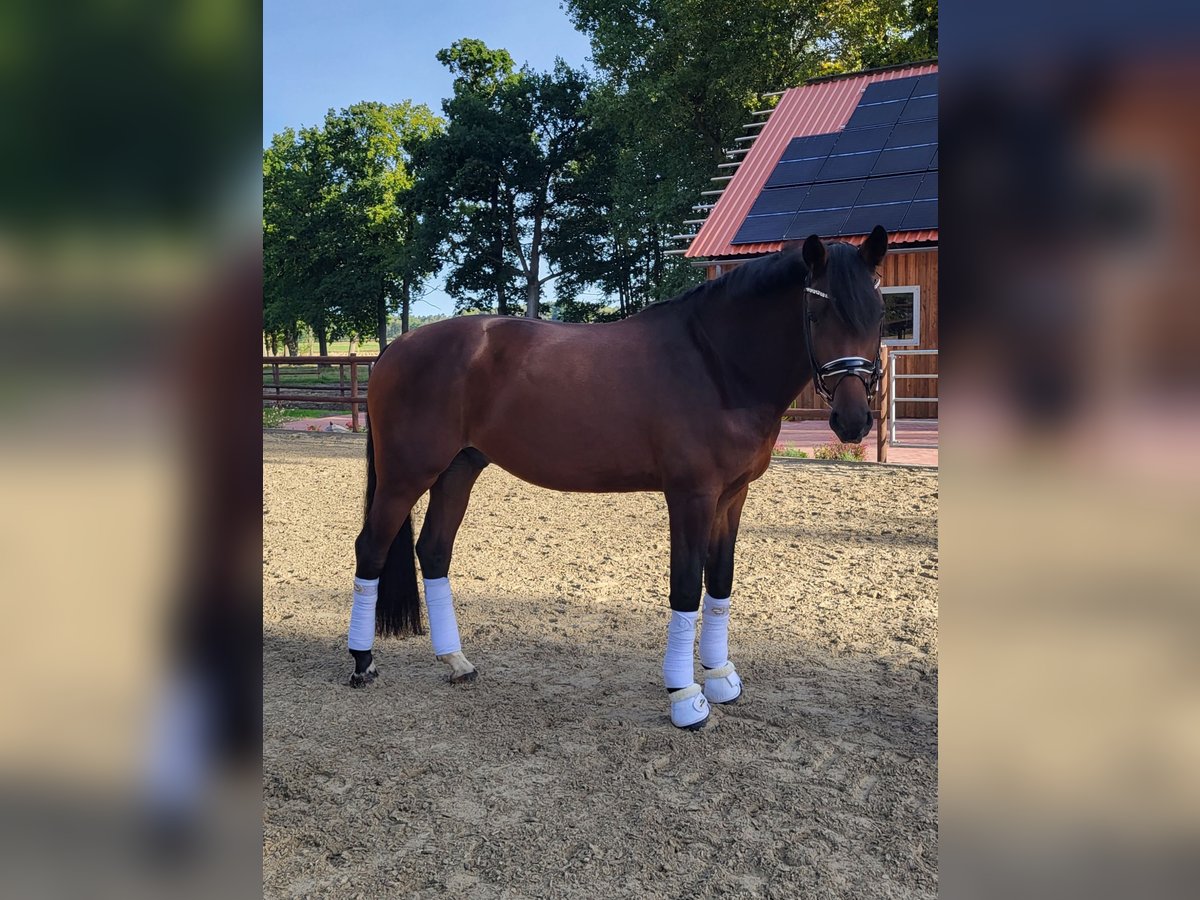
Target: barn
x: 835, y: 157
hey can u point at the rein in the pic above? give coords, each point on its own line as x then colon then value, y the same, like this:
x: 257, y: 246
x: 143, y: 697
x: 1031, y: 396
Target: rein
x: 866, y: 371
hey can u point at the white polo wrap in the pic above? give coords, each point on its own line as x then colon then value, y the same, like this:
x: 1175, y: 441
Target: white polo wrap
x: 678, y: 669
x: 443, y: 626
x: 362, y: 614
x: 714, y: 634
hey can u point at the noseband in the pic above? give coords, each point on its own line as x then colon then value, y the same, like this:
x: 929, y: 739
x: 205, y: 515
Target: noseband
x: 863, y: 369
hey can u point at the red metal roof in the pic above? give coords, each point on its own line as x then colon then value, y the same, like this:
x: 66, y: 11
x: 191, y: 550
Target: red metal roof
x: 816, y: 108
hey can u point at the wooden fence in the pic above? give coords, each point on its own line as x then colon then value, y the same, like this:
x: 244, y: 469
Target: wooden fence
x: 277, y: 370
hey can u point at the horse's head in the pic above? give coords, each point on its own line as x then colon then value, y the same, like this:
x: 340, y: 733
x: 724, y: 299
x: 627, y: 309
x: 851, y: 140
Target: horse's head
x: 842, y: 319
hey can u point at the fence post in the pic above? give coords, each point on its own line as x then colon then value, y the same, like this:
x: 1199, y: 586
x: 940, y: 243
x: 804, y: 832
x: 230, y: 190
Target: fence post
x: 353, y: 394
x: 881, y: 435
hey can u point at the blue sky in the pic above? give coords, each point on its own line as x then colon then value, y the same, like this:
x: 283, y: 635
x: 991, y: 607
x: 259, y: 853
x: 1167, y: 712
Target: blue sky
x: 319, y: 54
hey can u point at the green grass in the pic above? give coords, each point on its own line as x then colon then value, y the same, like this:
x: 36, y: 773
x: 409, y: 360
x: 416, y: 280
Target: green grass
x: 336, y: 348
x: 790, y: 452
x: 274, y: 416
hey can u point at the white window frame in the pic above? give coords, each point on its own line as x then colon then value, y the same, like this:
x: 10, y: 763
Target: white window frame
x: 915, y: 290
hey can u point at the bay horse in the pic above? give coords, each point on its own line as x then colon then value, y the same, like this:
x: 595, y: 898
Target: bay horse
x: 684, y: 398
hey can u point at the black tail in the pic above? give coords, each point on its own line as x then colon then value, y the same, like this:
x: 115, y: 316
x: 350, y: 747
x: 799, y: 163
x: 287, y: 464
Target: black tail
x: 398, y: 610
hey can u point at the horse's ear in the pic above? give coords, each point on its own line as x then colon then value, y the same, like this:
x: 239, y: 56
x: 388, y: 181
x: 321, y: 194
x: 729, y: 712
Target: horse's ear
x: 814, y: 254
x: 874, y: 248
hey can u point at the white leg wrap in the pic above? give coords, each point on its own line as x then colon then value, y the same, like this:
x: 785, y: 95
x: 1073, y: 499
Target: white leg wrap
x: 714, y: 635
x: 362, y: 614
x: 678, y: 669
x: 721, y: 682
x: 688, y: 706
x: 443, y: 626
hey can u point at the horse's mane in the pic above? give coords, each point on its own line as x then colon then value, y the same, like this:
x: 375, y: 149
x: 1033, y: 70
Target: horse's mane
x: 778, y: 272
x: 765, y: 275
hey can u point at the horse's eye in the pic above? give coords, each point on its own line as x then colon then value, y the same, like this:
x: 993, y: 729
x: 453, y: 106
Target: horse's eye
x: 812, y: 317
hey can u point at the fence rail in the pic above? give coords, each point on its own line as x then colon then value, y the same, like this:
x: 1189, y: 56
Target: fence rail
x: 347, y: 389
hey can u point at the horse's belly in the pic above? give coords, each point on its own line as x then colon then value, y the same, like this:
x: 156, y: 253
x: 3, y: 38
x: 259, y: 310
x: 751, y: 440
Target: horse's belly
x: 570, y: 466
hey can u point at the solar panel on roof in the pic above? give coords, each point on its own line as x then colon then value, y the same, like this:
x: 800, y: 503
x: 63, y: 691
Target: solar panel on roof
x: 929, y: 187
x: 921, y: 214
x: 881, y: 169
x: 778, y: 200
x: 832, y: 195
x: 906, y: 159
x: 801, y: 171
x: 920, y: 108
x: 910, y: 134
x: 813, y: 146
x: 895, y: 89
x: 864, y: 218
x: 927, y: 85
x: 893, y: 189
x: 762, y: 228
x: 826, y: 223
x: 876, y: 114
x: 855, y: 165
x: 862, y: 139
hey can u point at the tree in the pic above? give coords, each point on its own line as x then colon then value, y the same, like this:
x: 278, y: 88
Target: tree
x: 343, y: 243
x: 296, y: 232
x: 495, y: 174
x: 382, y: 253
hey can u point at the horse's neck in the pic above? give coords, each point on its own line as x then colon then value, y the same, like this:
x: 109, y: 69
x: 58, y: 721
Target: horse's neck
x: 759, y: 344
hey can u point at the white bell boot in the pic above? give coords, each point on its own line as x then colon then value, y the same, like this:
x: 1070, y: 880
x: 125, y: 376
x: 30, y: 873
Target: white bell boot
x: 722, y: 685
x: 689, y: 708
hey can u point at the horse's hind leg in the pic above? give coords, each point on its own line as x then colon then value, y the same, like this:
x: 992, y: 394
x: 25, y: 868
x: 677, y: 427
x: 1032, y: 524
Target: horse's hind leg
x: 383, y: 528
x: 721, y: 681
x: 447, y: 505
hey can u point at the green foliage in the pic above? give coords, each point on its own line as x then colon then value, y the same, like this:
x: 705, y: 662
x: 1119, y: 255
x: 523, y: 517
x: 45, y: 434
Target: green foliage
x: 494, y: 178
x: 840, y: 450
x: 342, y: 242
x: 789, y: 452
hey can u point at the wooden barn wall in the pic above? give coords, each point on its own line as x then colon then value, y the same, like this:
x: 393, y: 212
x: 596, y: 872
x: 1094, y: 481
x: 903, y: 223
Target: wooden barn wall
x: 902, y: 268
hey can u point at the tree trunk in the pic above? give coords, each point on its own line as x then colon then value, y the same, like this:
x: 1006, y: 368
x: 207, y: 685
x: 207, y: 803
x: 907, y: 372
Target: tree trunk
x: 292, y: 339
x: 405, y: 305
x: 353, y: 341
x: 533, y: 293
x: 381, y: 317
x: 498, y: 254
x: 322, y: 340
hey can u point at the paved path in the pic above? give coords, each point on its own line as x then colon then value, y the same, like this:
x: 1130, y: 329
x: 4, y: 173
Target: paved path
x: 801, y: 435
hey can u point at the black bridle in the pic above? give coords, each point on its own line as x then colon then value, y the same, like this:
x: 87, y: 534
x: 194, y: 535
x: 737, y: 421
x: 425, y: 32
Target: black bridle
x: 866, y: 371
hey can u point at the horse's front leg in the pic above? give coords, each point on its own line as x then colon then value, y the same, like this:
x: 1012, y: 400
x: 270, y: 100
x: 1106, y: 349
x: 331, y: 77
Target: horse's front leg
x: 721, y: 681
x: 691, y: 514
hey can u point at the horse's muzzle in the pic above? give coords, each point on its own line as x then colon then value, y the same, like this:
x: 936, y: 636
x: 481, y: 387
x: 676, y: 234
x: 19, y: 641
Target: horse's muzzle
x: 851, y: 429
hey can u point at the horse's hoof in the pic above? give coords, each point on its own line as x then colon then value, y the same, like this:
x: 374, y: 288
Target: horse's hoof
x: 689, y: 708
x: 461, y: 669
x: 722, y: 684
x: 362, y: 679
